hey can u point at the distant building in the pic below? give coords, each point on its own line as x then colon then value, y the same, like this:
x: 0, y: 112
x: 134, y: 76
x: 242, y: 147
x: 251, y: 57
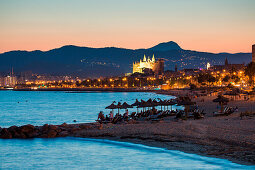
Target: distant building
x: 158, y: 68
x: 147, y: 64
x: 253, y: 53
x: 190, y: 72
x: 25, y: 76
x: 1, y: 81
x: 208, y: 65
x: 10, y: 81
x: 227, y: 67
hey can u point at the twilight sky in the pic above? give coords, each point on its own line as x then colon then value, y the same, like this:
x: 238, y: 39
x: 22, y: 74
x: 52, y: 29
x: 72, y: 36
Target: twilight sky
x: 202, y: 25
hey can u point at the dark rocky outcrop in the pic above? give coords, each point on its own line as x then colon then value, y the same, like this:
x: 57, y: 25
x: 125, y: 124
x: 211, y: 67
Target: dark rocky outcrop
x: 45, y: 131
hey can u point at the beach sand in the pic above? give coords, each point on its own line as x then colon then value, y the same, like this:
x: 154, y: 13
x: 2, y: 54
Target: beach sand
x: 223, y: 137
x: 228, y: 137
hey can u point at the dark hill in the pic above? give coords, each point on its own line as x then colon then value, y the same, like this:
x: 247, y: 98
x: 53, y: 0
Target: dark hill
x: 166, y: 46
x: 109, y: 61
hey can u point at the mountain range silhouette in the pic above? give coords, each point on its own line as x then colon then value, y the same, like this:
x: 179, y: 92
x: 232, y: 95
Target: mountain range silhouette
x: 108, y: 61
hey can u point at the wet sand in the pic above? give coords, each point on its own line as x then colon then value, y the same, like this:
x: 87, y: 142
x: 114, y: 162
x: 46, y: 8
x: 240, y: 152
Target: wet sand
x: 224, y: 137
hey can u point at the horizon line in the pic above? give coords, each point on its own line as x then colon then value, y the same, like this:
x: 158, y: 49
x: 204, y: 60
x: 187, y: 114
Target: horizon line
x: 119, y: 48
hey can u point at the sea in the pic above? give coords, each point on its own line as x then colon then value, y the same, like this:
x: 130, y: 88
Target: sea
x: 56, y: 107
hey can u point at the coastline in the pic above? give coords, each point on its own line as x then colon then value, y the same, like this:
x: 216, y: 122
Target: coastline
x: 80, y: 90
x: 192, y: 136
x: 212, y: 137
x: 227, y: 137
x: 185, y: 147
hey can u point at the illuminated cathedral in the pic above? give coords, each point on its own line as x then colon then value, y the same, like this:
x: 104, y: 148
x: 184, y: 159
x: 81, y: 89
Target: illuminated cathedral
x: 149, y: 64
x: 138, y: 67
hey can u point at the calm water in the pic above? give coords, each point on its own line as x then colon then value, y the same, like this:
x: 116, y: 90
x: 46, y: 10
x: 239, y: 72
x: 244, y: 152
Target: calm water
x: 38, y: 108
x: 18, y: 108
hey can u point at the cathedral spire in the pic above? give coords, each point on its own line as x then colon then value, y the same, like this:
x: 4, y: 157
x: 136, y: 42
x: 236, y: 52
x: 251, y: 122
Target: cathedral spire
x: 144, y: 58
x: 226, y: 61
x: 153, y: 58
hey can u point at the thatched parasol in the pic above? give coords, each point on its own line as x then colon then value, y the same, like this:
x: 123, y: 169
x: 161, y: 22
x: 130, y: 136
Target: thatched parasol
x: 112, y: 106
x: 155, y: 102
x: 137, y: 103
x: 150, y: 103
x: 143, y: 104
x: 165, y: 103
x: 171, y: 102
x: 221, y: 100
x: 119, y: 107
x: 186, y: 102
x: 125, y: 106
x: 160, y: 103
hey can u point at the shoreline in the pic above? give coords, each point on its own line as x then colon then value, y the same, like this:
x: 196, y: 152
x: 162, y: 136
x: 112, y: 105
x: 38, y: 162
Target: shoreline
x: 84, y: 89
x: 178, y: 136
x: 185, y: 147
x: 203, y: 137
x: 226, y: 137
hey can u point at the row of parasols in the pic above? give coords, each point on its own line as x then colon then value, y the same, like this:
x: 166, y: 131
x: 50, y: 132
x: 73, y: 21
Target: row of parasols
x: 152, y: 103
x: 181, y: 101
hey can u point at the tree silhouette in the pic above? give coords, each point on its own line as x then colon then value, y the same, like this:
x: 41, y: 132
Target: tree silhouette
x: 250, y: 72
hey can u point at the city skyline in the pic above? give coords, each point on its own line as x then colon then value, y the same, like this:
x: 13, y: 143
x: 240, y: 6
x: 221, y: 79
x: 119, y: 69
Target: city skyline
x: 218, y: 26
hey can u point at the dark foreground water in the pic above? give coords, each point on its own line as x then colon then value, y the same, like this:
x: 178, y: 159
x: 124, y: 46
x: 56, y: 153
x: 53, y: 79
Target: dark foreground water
x: 78, y: 153
x: 38, y: 108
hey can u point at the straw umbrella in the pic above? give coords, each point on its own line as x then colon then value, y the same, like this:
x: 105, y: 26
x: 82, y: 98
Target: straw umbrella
x: 160, y: 103
x: 143, y: 104
x: 112, y: 106
x: 150, y: 103
x: 171, y: 103
x: 155, y: 102
x: 118, y: 106
x: 125, y: 106
x: 137, y: 103
x: 186, y: 102
x: 221, y: 100
x: 165, y: 103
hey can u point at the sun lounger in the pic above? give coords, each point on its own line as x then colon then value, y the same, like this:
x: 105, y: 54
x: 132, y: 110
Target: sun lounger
x: 227, y: 111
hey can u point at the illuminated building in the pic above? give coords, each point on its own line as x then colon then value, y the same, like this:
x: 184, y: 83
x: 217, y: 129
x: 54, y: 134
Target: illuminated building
x: 208, y: 65
x: 10, y: 80
x: 138, y: 67
x: 227, y: 67
x: 149, y: 64
x: 1, y: 81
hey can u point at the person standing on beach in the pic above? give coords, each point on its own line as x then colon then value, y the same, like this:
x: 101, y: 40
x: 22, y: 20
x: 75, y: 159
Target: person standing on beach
x: 126, y: 115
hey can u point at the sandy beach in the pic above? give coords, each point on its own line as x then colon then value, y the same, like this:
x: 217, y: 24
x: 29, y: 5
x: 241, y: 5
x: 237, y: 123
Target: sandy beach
x: 223, y: 137
x: 228, y: 137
